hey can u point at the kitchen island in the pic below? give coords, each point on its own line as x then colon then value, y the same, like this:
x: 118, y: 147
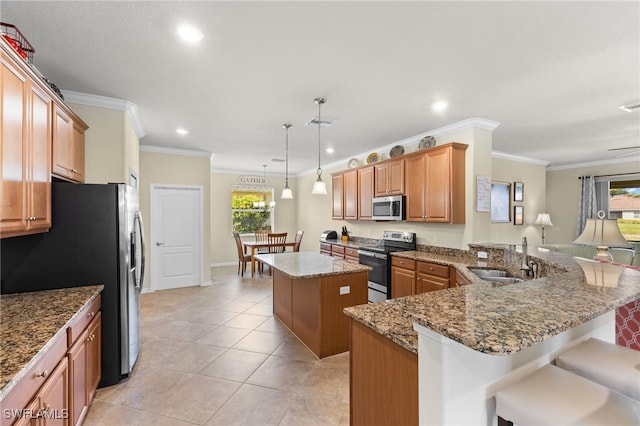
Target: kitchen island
x: 310, y: 292
x: 468, y: 341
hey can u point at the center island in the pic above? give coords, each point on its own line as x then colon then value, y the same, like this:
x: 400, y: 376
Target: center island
x: 310, y: 292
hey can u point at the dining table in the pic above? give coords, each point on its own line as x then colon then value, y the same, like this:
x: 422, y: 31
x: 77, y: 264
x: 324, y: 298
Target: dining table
x: 255, y: 245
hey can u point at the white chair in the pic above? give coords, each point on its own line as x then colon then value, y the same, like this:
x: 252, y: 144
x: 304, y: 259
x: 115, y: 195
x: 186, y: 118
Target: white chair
x: 613, y: 366
x: 553, y: 396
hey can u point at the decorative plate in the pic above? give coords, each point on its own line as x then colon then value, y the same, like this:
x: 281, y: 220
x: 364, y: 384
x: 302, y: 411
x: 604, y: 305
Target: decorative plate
x: 396, y: 150
x: 373, y: 157
x: 427, y: 142
x: 353, y: 163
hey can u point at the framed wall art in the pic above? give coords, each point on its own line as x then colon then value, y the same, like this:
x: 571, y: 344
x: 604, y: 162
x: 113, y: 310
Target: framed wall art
x: 518, y: 215
x: 518, y: 191
x: 500, y: 202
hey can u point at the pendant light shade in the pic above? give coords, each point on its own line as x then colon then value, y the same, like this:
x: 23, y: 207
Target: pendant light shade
x: 319, y: 187
x: 287, y: 193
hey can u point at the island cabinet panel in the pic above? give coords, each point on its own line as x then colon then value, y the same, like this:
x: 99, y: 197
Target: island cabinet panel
x: 306, y: 306
x: 337, y: 194
x: 389, y: 178
x: 431, y: 277
x: 282, y: 297
x: 383, y: 380
x: 365, y: 193
x: 403, y: 277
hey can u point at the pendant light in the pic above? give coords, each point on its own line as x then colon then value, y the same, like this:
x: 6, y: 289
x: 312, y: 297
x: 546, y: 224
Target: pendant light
x: 286, y: 191
x: 319, y: 187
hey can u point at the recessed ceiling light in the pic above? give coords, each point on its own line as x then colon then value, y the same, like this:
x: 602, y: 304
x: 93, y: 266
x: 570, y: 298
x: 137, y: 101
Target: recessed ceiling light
x: 329, y: 150
x: 182, y: 131
x: 630, y: 108
x: 439, y: 105
x: 189, y: 33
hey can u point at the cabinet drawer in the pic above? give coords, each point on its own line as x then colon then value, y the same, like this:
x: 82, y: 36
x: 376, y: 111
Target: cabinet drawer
x: 83, y: 319
x: 24, y: 390
x: 402, y: 262
x: 351, y: 252
x: 433, y: 269
x: 337, y: 249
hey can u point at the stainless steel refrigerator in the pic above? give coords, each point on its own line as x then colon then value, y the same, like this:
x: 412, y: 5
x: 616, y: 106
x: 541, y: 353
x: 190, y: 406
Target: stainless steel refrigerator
x: 96, y: 238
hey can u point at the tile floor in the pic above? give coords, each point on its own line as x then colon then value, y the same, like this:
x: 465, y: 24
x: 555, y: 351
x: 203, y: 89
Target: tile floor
x: 217, y: 356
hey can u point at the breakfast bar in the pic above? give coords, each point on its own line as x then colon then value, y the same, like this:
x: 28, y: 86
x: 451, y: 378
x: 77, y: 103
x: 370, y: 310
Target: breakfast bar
x: 472, y: 340
x: 310, y: 292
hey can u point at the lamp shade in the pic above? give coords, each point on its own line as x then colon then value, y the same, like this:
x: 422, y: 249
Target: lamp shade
x: 319, y: 187
x: 286, y: 194
x: 544, y: 219
x: 602, y: 232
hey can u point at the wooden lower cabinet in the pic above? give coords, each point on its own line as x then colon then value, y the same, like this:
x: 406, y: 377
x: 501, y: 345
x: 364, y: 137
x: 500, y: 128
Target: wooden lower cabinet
x: 337, y: 251
x: 431, y: 277
x: 84, y: 370
x: 325, y: 248
x: 50, y: 406
x: 383, y: 380
x: 351, y: 254
x: 459, y: 279
x: 403, y: 277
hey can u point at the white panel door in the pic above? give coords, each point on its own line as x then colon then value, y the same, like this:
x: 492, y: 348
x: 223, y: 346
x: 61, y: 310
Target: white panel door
x: 175, y: 243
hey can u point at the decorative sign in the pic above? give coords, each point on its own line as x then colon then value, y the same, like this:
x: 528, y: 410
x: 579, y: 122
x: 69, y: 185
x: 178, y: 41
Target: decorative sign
x: 252, y: 180
x: 483, y: 193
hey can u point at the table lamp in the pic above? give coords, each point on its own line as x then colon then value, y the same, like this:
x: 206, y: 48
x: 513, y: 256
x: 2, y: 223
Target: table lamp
x: 602, y: 233
x: 543, y: 220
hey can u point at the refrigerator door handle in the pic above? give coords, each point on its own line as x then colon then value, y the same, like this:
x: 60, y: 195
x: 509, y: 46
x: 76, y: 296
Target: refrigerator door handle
x: 138, y: 222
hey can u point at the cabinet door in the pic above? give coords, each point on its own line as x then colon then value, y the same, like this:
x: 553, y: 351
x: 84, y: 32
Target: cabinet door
x: 402, y: 282
x: 78, y: 378
x: 415, y: 168
x: 365, y: 193
x: 460, y: 280
x: 77, y: 152
x: 62, y: 161
x: 54, y: 396
x: 39, y: 178
x: 381, y: 173
x: 350, y: 198
x: 94, y: 356
x: 395, y: 184
x: 438, y: 185
x: 13, y: 128
x: 425, y: 283
x: 337, y: 186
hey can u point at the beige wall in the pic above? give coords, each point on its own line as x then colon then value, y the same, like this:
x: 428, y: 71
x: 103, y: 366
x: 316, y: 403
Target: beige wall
x: 223, y: 249
x: 562, y: 189
x: 157, y: 168
x: 111, y: 144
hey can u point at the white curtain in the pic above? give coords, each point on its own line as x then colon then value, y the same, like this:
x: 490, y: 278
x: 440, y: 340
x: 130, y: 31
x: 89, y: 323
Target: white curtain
x: 587, y: 205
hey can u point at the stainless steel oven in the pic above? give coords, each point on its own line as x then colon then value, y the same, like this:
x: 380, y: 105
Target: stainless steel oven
x: 379, y: 259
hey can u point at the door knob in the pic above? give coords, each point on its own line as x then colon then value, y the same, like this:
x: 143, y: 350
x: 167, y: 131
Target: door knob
x: 159, y: 244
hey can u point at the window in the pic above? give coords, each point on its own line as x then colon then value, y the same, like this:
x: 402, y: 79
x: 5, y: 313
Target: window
x: 247, y: 213
x: 622, y: 202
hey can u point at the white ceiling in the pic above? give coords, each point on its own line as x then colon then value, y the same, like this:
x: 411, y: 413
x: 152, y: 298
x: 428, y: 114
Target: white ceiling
x: 551, y: 73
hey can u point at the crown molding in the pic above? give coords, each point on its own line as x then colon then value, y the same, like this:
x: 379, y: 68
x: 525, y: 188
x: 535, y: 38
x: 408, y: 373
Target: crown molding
x: 592, y: 163
x: 130, y: 108
x: 174, y: 151
x: 519, y: 158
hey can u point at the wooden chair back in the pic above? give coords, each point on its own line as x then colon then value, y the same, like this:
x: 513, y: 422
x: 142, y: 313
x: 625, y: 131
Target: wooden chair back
x: 298, y: 240
x: 262, y: 236
x: 277, y: 238
x: 236, y: 236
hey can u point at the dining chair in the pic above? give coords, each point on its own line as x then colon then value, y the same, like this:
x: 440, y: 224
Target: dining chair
x: 243, y: 258
x: 261, y: 236
x: 274, y: 239
x: 298, y: 240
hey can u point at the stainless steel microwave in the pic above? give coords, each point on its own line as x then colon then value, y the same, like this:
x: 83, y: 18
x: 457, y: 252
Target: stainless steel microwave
x: 389, y: 208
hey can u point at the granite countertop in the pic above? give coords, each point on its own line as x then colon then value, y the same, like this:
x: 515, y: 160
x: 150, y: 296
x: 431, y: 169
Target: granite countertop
x: 496, y: 318
x: 307, y: 264
x: 31, y: 322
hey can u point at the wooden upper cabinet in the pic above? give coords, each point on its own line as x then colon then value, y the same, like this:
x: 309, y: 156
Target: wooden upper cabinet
x: 25, y: 123
x: 68, y: 146
x: 389, y: 178
x: 350, y: 192
x: 337, y: 191
x: 365, y: 193
x: 435, y: 184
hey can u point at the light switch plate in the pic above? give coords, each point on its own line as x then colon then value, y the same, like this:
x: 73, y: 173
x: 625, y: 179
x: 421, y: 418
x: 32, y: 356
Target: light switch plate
x: 345, y: 290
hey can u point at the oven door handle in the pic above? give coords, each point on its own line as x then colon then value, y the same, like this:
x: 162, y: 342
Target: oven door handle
x: 375, y: 255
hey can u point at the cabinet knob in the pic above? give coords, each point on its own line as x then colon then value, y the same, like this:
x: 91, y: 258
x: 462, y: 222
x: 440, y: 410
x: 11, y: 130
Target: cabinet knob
x: 91, y: 314
x: 45, y: 373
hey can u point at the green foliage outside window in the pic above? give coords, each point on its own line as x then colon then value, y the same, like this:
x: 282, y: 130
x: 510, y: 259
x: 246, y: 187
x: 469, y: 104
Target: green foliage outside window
x: 247, y: 219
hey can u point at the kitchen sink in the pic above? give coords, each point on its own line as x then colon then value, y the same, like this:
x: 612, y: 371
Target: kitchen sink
x: 496, y: 275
